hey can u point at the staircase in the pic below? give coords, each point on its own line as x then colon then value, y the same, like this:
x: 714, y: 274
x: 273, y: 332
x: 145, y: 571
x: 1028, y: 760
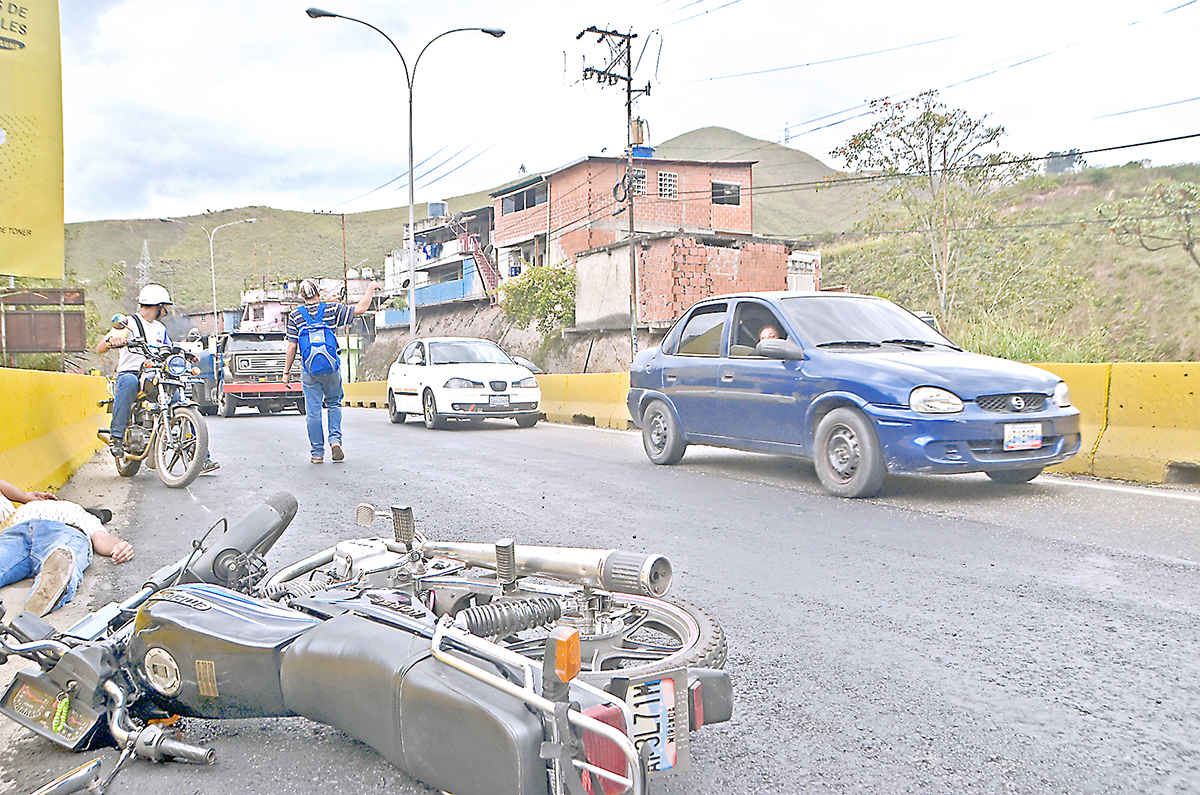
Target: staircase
x: 491, y: 276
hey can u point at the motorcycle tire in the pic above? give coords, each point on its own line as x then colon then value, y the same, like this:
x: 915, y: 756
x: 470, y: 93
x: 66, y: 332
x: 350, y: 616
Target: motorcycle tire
x: 682, y: 633
x: 128, y: 467
x: 181, y: 447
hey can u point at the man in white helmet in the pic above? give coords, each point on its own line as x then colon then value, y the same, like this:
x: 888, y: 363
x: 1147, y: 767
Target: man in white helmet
x: 146, y: 324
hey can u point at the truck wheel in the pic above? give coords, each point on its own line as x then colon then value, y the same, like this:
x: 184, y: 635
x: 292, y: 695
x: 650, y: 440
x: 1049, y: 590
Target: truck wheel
x: 300, y: 406
x: 227, y: 404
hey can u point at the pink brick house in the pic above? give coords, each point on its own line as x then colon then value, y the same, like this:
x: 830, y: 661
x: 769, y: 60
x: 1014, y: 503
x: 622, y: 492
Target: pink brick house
x: 693, y: 226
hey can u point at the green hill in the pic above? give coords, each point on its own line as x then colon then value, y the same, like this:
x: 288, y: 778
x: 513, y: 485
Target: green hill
x: 1129, y: 304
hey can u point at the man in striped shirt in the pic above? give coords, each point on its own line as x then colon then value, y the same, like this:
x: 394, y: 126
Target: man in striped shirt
x: 52, y: 541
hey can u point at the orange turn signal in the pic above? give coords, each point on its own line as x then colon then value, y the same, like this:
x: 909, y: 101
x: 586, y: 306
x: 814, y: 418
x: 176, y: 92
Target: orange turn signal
x: 567, y: 656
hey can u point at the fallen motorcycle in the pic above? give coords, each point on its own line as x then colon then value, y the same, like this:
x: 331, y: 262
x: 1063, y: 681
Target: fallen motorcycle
x: 165, y: 426
x: 476, y: 668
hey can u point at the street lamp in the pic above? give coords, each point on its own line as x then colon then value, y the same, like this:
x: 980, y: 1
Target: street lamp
x: 212, y: 263
x: 409, y: 76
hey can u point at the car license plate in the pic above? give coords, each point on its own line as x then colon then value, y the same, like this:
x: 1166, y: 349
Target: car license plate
x: 1022, y: 436
x: 660, y: 720
x: 498, y: 400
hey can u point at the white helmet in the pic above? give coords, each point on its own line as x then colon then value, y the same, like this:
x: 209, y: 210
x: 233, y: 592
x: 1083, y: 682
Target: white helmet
x: 154, y: 295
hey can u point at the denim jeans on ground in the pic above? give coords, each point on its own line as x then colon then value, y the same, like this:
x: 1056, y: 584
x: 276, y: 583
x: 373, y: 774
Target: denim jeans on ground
x: 323, y: 390
x: 24, y: 548
x: 123, y: 396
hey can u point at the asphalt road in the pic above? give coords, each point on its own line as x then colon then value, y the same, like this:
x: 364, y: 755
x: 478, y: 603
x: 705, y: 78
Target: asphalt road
x: 951, y: 635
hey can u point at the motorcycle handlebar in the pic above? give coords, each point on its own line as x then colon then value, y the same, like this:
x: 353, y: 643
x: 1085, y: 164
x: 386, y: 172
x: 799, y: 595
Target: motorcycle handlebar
x: 186, y: 752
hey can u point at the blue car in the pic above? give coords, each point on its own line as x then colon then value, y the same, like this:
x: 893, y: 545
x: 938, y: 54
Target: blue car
x: 856, y: 383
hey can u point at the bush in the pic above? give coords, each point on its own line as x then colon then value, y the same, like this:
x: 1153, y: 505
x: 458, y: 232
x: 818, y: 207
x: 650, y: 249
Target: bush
x: 542, y: 296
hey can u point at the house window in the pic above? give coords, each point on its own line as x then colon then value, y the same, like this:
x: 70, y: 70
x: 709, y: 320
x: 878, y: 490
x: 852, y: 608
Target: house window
x: 727, y: 193
x: 668, y: 185
x: 639, y: 181
x: 523, y: 200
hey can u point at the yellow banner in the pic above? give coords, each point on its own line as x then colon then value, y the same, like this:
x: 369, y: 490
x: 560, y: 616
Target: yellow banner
x: 31, y: 154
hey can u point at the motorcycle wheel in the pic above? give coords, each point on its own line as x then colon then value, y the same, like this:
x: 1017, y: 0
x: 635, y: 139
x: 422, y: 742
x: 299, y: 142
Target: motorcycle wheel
x: 181, y: 447
x: 655, y: 635
x: 128, y: 467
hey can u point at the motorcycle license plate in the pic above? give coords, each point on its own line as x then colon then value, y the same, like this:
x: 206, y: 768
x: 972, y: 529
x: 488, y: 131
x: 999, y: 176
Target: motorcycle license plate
x: 1022, y: 436
x: 660, y: 720
x: 498, y: 400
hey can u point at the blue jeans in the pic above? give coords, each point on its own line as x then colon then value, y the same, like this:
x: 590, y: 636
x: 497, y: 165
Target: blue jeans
x: 324, y: 390
x: 124, y: 393
x: 24, y: 548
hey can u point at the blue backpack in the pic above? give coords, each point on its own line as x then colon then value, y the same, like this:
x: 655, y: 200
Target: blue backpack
x: 318, y: 345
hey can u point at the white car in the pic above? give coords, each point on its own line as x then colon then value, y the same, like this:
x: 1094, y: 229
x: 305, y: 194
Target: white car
x: 444, y: 378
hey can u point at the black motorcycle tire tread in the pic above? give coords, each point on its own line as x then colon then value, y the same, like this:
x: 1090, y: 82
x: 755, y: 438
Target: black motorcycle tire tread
x: 711, y: 649
x: 197, y: 463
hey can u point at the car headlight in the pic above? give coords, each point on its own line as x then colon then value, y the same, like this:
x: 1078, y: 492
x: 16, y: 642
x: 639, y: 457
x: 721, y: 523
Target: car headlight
x: 526, y: 383
x: 176, y: 366
x: 1062, y: 395
x: 934, y: 400
x: 463, y: 383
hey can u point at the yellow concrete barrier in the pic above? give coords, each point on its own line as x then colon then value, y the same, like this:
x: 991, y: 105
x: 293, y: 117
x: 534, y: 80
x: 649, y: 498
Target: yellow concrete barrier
x: 48, y: 424
x: 1089, y: 393
x: 367, y: 394
x: 1138, y: 421
x: 1153, y: 421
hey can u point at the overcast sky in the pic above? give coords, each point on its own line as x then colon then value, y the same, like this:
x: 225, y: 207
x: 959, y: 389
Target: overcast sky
x: 176, y: 107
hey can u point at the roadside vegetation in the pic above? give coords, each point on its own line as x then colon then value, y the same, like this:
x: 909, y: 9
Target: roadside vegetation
x: 1091, y: 265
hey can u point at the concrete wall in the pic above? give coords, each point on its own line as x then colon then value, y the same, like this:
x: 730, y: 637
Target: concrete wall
x: 48, y: 424
x: 1140, y: 422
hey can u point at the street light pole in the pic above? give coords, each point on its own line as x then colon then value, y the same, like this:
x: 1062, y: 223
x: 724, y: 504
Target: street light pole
x: 409, y: 77
x: 212, y: 262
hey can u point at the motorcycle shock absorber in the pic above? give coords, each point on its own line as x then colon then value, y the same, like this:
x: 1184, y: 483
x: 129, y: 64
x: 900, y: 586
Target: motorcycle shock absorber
x: 507, y: 616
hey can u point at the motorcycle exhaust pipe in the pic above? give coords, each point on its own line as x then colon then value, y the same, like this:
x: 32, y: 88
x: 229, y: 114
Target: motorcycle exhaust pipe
x: 610, y: 569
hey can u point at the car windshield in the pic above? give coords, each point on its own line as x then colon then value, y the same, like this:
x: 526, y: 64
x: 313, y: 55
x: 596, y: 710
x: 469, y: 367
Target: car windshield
x: 857, y: 322
x: 466, y: 351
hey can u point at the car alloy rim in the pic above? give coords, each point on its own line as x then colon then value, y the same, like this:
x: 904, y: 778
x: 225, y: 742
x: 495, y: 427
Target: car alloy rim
x: 843, y: 453
x: 429, y: 408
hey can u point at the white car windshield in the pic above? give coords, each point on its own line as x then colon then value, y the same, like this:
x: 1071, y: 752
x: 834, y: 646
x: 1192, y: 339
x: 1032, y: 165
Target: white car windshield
x: 466, y: 351
x: 833, y: 321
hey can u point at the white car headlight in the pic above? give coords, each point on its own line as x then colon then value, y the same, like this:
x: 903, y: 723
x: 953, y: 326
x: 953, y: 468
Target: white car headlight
x: 526, y: 383
x: 463, y: 383
x: 934, y: 400
x: 1062, y: 395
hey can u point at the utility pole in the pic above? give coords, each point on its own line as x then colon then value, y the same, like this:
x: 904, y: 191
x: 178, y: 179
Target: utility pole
x: 621, y: 49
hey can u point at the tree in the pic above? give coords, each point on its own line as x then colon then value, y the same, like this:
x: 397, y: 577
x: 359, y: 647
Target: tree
x: 1167, y: 216
x: 945, y: 170
x: 543, y: 296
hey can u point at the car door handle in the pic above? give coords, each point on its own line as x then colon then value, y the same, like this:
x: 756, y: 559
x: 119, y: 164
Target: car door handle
x: 727, y: 378
x: 671, y: 376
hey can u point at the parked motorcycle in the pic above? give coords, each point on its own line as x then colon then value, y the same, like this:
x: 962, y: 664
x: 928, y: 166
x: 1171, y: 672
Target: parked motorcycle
x: 165, y: 427
x: 476, y: 668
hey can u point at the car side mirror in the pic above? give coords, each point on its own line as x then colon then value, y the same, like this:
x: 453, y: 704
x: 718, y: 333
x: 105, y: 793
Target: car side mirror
x: 779, y: 349
x: 415, y: 360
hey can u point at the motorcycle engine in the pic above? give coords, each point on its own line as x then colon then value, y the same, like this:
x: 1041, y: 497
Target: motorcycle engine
x: 136, y: 439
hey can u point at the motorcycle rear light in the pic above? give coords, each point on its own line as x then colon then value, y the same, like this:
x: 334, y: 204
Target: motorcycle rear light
x: 603, y: 752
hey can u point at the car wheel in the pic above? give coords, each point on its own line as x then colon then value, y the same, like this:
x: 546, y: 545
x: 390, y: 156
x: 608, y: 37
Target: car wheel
x: 846, y: 454
x: 1014, y: 477
x: 661, y: 435
x: 433, y: 420
x: 393, y: 415
x: 227, y: 404
x: 528, y: 420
